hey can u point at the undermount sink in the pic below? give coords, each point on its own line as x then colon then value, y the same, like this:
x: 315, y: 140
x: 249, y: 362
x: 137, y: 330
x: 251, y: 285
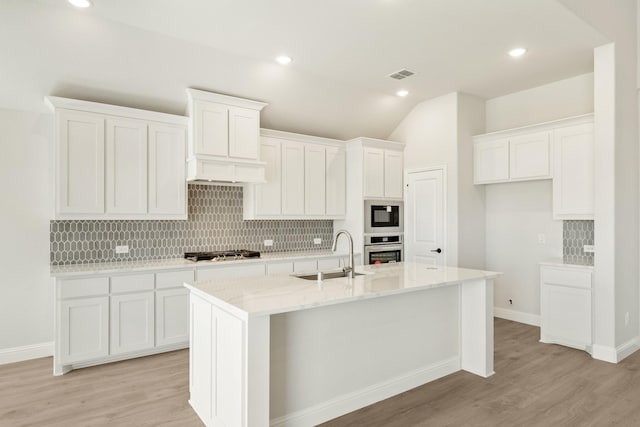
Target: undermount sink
x: 323, y: 275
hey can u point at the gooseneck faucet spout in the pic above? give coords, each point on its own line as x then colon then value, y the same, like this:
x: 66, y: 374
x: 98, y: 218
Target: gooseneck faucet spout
x: 349, y: 269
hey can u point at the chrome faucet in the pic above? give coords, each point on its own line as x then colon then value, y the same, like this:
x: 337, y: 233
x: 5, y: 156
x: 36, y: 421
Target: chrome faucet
x: 349, y: 269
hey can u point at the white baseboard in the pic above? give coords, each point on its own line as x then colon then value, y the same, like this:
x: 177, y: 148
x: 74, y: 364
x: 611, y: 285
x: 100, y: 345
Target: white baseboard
x: 517, y: 316
x: 27, y: 352
x: 628, y: 348
x: 605, y: 353
x: 346, y: 403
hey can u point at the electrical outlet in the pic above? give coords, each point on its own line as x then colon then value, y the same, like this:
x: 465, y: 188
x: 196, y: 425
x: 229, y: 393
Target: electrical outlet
x: 124, y: 249
x: 268, y: 242
x: 588, y: 249
x: 510, y: 301
x: 317, y: 241
x: 542, y: 239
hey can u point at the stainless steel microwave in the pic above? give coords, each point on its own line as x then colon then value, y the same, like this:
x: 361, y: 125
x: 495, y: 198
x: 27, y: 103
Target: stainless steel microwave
x: 383, y: 216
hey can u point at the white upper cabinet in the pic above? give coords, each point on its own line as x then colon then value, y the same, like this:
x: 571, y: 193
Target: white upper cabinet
x: 573, y: 177
x: 306, y: 179
x: 314, y: 179
x: 117, y: 163
x: 79, y: 163
x: 491, y: 161
x: 292, y: 178
x: 126, y: 166
x: 528, y: 153
x: 336, y: 178
x: 383, y: 173
x: 167, y: 175
x: 225, y: 142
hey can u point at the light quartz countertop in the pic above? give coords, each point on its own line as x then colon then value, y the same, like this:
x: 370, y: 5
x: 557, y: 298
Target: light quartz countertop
x: 259, y: 296
x: 559, y: 262
x: 177, y: 263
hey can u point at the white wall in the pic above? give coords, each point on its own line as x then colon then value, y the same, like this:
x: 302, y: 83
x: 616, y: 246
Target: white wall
x: 516, y: 213
x: 25, y: 291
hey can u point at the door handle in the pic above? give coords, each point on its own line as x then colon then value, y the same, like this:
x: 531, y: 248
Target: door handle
x: 437, y: 250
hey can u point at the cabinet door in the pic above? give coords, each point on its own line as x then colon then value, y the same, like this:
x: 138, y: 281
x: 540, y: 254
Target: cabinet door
x: 269, y: 194
x: 167, y: 168
x: 80, y: 165
x: 393, y: 171
x: 172, y: 316
x: 491, y: 161
x: 131, y: 322
x: 292, y: 178
x: 530, y: 156
x: 126, y: 166
x: 336, y: 181
x: 573, y: 176
x: 84, y: 329
x: 373, y: 172
x: 211, y: 129
x: 314, y: 179
x: 244, y: 133
x: 565, y: 315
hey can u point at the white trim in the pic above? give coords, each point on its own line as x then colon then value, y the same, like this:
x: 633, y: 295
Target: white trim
x: 203, y: 95
x: 27, y: 352
x: 55, y: 102
x: 349, y: 402
x: 517, y: 316
x: 569, y: 121
x: 628, y: 348
x: 298, y: 137
x: 376, y: 143
x: 605, y: 353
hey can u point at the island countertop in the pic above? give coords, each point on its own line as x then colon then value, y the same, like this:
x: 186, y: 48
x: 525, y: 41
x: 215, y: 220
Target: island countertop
x: 260, y: 296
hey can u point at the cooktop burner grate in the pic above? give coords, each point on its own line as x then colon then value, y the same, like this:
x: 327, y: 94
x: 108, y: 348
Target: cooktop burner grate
x: 221, y: 255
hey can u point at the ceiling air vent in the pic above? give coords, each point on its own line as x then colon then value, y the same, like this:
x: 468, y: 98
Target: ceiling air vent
x: 402, y: 74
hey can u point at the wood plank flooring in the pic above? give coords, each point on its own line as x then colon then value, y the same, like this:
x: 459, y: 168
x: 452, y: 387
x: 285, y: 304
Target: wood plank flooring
x: 535, y: 385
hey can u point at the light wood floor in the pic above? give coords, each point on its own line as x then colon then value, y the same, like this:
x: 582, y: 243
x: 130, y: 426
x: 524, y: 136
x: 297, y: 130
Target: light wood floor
x: 535, y: 385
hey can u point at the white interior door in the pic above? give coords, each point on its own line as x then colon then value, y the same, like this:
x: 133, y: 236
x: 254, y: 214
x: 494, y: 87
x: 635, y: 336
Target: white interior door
x: 425, y: 226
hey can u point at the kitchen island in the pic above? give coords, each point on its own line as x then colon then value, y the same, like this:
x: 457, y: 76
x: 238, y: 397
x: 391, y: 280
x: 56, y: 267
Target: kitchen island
x: 285, y: 351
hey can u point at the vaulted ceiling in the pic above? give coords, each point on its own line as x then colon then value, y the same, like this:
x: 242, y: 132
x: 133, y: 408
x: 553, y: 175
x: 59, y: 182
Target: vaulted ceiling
x: 144, y: 53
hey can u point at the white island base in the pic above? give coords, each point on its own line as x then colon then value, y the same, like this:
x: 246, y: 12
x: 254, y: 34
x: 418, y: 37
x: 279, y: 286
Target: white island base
x: 283, y: 351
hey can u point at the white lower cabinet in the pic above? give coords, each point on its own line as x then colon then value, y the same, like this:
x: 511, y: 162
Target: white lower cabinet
x: 172, y: 316
x: 84, y: 329
x: 131, y: 322
x: 565, y: 306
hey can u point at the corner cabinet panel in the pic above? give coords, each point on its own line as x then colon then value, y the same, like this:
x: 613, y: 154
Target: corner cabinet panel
x: 292, y: 178
x: 491, y: 161
x: 84, y: 329
x: 244, y: 138
x: 393, y: 171
x: 573, y: 178
x: 80, y: 163
x: 269, y: 195
x: 126, y: 166
x: 336, y: 181
x: 530, y: 156
x: 314, y: 180
x: 172, y: 316
x: 373, y: 172
x: 131, y: 322
x: 167, y: 170
x: 211, y: 126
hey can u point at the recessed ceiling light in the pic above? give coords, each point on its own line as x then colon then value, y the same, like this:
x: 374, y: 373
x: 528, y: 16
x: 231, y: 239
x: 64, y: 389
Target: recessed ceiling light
x: 283, y: 60
x: 81, y: 3
x: 519, y: 51
x: 402, y: 93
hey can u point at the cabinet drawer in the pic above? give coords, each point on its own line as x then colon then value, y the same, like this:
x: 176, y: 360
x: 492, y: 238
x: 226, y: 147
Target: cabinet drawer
x: 305, y: 266
x: 134, y: 283
x: 220, y: 272
x: 280, y: 268
x: 328, y: 263
x: 566, y: 277
x: 174, y: 279
x: 75, y: 288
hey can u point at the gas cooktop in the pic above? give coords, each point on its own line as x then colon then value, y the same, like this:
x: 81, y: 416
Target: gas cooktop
x: 221, y: 255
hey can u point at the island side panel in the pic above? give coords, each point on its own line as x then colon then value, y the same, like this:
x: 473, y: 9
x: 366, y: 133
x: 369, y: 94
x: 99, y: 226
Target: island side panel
x: 476, y: 324
x: 229, y: 366
x: 331, y: 360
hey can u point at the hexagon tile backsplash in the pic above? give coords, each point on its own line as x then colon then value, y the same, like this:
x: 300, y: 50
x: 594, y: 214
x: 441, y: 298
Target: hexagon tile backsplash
x: 215, y: 223
x: 576, y: 234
